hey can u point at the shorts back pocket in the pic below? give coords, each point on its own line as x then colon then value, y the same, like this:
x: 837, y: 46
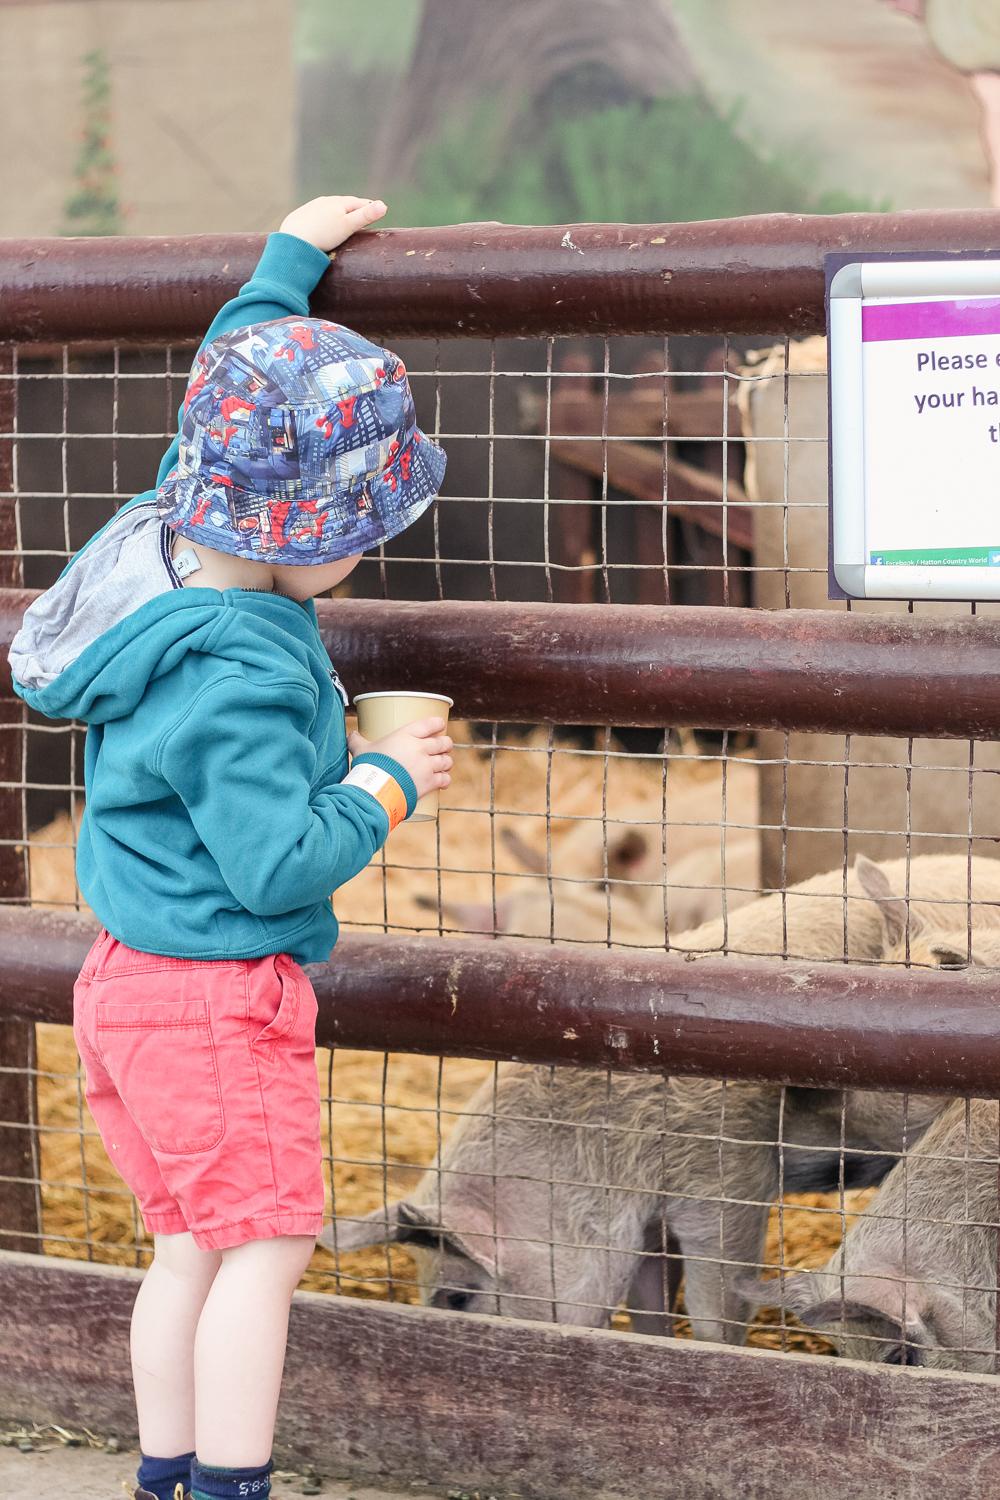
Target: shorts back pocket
x: 162, y: 1058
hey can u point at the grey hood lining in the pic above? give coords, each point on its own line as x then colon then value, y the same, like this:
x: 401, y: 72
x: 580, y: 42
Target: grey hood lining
x: 121, y: 570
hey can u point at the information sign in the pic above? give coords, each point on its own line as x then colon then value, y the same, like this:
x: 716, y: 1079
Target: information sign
x: 915, y: 429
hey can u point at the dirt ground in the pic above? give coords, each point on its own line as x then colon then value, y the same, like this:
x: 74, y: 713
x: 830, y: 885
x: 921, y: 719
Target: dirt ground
x: 52, y: 1471
x: 386, y: 1115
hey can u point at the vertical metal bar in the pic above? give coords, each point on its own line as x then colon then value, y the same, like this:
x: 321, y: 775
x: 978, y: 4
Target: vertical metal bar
x: 84, y: 1180
x: 909, y: 809
x: 781, y: 1215
x: 604, y: 471
x: 572, y: 523
x: 496, y: 1231
x: 20, y: 1157
x: 784, y: 485
x: 784, y: 846
x: 493, y: 827
x: 492, y: 457
x: 385, y: 1173
x: 722, y: 841
x: 440, y: 1142
x: 333, y: 1183
x: 725, y: 476
x: 968, y: 856
x: 20, y: 1164
x: 548, y: 832
x: 847, y: 781
x: 609, y: 1307
x: 437, y: 515
x: 546, y: 472
x: 604, y: 828
x: 665, y: 762
x: 664, y: 517
x: 552, y: 1200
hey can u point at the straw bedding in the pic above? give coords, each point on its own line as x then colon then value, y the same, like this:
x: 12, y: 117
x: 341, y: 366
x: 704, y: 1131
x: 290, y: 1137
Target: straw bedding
x: 378, y: 1148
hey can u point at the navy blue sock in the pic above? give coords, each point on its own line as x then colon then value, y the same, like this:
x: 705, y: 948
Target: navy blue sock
x: 208, y: 1483
x: 161, y: 1476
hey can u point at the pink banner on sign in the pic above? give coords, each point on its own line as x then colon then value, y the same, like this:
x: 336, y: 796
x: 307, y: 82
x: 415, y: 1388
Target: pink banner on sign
x: 930, y: 320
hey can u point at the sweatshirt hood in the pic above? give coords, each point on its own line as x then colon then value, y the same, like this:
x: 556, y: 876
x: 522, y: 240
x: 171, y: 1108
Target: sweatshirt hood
x: 117, y: 618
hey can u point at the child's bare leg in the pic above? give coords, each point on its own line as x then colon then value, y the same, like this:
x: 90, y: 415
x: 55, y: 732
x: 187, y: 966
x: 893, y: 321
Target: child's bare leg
x: 164, y: 1323
x: 240, y: 1349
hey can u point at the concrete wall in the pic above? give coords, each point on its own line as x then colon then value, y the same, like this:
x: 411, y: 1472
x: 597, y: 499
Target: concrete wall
x: 203, y: 101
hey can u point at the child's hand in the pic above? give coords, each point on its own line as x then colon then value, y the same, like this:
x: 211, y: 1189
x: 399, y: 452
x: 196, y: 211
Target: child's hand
x: 328, y: 222
x: 422, y: 748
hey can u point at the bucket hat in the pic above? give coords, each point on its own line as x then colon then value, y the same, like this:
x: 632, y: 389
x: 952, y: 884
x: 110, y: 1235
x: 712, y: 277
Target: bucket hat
x: 298, y: 444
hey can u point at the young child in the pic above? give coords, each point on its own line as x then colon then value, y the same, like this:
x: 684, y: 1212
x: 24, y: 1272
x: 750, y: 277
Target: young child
x: 220, y: 816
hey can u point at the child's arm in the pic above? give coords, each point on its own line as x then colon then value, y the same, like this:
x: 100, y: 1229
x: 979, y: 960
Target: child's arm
x: 284, y: 831
x: 293, y: 261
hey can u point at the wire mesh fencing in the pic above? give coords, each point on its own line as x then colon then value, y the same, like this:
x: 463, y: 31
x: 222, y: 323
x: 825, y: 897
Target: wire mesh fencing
x: 641, y: 471
x: 808, y: 1220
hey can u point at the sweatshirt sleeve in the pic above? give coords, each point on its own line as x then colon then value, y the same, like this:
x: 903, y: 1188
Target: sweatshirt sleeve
x: 240, y: 758
x: 286, y: 274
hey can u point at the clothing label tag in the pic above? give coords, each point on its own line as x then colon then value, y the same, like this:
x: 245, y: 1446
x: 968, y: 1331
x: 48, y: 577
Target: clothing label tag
x: 380, y: 785
x: 186, y: 563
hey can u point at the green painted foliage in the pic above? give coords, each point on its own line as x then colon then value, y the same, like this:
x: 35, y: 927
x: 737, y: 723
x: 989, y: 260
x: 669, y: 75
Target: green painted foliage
x: 664, y: 160
x: 94, y: 207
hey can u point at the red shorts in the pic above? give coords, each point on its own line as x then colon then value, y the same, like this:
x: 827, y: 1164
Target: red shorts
x: 202, y: 1080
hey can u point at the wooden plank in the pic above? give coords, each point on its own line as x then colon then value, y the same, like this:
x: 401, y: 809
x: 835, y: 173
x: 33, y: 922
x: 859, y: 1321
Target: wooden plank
x: 503, y: 1405
x: 693, y: 494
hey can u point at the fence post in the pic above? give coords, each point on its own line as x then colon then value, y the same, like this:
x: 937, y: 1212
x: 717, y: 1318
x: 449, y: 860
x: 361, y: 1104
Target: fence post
x: 20, y: 1193
x: 571, y: 527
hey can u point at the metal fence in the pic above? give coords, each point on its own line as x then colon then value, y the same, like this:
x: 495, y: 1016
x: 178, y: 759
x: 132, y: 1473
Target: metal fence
x: 606, y: 471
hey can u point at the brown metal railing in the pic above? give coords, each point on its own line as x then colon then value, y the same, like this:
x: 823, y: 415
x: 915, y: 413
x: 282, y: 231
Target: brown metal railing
x: 670, y: 665
x: 810, y: 1025
x: 719, y: 276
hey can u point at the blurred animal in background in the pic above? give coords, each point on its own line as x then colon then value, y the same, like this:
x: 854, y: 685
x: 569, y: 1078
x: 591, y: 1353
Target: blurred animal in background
x: 971, y: 936
x: 625, y: 901
x: 862, y: 915
x: 914, y: 1282
x: 561, y: 1193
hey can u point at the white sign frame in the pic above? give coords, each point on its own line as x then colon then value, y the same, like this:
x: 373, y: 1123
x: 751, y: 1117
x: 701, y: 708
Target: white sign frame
x: 853, y: 505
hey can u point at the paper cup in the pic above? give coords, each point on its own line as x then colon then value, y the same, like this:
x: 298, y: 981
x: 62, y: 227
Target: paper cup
x: 380, y: 713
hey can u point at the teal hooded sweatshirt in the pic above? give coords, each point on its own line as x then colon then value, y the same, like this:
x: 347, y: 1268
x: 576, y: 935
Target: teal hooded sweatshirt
x: 217, y: 824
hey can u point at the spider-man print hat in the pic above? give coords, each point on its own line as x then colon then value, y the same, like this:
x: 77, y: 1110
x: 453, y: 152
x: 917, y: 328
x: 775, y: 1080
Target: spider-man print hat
x: 298, y: 444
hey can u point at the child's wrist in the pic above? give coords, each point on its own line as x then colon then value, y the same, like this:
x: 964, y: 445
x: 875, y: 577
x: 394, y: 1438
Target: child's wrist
x: 392, y: 768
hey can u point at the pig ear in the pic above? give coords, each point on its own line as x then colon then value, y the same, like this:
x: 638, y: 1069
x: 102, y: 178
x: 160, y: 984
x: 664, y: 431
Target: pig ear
x: 840, y: 1310
x: 522, y: 852
x: 895, y: 1347
x: 475, y: 1240
x: 950, y: 956
x: 471, y: 916
x: 893, y: 907
x: 796, y: 1293
x: 956, y: 956
x: 383, y: 1226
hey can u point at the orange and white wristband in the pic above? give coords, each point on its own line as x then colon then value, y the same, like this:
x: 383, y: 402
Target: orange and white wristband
x: 379, y: 784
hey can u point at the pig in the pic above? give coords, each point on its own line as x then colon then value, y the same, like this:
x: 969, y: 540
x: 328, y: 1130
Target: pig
x: 827, y: 917
x: 563, y: 1192
x: 971, y: 934
x: 622, y: 1224
x: 627, y: 905
x: 817, y: 919
x: 915, y: 1279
